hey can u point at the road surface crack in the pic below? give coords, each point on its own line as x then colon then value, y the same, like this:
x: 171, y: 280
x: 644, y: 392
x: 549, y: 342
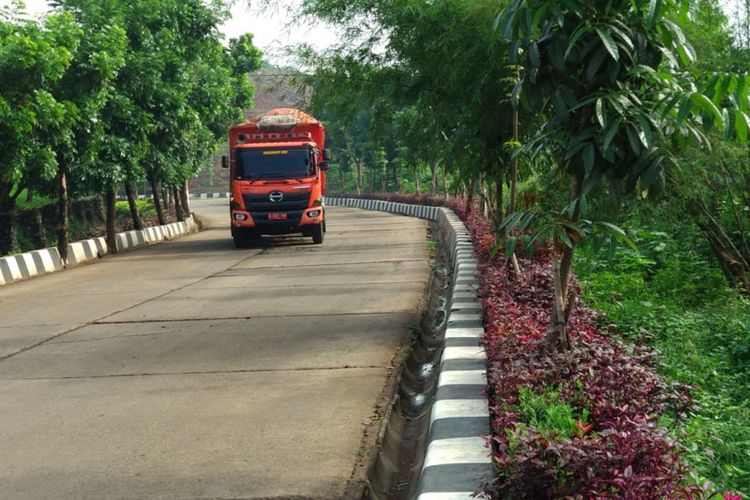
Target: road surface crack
x: 244, y: 318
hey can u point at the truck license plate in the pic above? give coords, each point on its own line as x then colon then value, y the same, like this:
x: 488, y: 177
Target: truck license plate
x: 277, y: 216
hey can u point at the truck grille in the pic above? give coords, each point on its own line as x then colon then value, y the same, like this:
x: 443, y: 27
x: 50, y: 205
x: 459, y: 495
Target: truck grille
x: 292, y: 202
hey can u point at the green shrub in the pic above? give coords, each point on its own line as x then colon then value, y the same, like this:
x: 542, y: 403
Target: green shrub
x: 145, y: 209
x: 676, y: 299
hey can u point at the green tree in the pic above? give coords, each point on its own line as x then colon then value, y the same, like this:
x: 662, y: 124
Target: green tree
x: 84, y: 90
x: 608, y: 79
x: 717, y: 197
x: 32, y: 58
x: 443, y: 63
x: 180, y: 92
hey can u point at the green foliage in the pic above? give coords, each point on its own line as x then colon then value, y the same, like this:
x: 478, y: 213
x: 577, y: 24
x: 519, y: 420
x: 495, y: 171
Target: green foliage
x: 244, y: 54
x: 551, y: 417
x: 145, y: 208
x: 438, y: 54
x: 106, y: 92
x: 672, y: 295
x: 36, y: 202
x: 618, y: 103
x: 32, y: 56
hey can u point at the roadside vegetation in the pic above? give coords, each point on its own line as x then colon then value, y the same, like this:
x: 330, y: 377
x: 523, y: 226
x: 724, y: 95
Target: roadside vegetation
x: 672, y: 295
x: 98, y: 96
x: 598, y: 151
x: 599, y: 154
x: 37, y: 221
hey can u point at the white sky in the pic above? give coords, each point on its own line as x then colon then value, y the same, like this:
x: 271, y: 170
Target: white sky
x: 273, y: 28
x: 277, y: 26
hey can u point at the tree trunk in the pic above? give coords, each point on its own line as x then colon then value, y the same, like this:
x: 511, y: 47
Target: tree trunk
x: 111, y: 217
x: 157, y: 202
x: 133, y: 205
x: 516, y: 268
x: 62, y: 211
x: 445, y: 182
x: 167, y: 201
x: 483, y: 199
x: 734, y: 265
x: 185, y: 200
x: 470, y: 195
x: 562, y: 267
x: 433, y: 177
x: 39, y: 233
x: 736, y: 271
x: 177, y: 205
x: 498, y: 200
x: 359, y: 177
x: 8, y: 237
x: 513, y: 167
x: 416, y: 180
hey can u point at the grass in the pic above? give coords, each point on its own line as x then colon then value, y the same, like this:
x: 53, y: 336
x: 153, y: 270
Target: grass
x: 548, y: 414
x: 145, y: 208
x: 674, y: 297
x: 37, y: 201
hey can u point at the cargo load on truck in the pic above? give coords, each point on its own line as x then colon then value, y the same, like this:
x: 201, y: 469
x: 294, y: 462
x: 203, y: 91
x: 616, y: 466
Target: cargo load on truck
x: 277, y: 163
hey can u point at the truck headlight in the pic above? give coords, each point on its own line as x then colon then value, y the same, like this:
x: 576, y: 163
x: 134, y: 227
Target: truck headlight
x: 313, y: 213
x: 240, y: 217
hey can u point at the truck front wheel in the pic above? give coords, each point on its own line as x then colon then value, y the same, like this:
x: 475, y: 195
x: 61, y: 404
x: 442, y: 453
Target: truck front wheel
x: 240, y: 241
x: 243, y: 238
x: 317, y: 234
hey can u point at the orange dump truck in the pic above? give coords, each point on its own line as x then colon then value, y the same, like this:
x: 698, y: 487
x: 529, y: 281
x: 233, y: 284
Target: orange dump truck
x: 277, y: 165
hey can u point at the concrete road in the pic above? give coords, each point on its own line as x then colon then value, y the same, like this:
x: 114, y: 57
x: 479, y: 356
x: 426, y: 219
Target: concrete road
x: 193, y: 370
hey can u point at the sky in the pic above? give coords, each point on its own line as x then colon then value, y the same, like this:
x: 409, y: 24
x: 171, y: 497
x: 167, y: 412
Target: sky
x: 277, y: 26
x: 272, y: 28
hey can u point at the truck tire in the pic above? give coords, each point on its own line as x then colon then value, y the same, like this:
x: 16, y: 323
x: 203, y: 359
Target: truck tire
x: 243, y: 238
x: 317, y: 234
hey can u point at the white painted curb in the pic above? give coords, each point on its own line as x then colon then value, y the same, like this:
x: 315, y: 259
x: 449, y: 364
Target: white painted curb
x: 27, y: 265
x: 207, y: 196
x: 457, y: 461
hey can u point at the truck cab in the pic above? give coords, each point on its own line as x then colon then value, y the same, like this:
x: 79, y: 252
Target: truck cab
x: 277, y: 164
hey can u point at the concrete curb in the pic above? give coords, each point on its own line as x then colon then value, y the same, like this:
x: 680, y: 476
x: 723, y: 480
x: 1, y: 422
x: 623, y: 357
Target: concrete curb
x: 191, y: 196
x: 27, y: 265
x: 206, y: 196
x: 457, y: 460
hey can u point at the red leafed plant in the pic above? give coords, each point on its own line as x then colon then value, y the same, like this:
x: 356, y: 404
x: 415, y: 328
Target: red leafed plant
x: 619, y: 450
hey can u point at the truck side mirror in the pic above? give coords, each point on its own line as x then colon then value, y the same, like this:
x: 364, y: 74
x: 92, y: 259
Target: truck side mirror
x: 324, y: 167
x: 224, y: 161
x: 326, y: 155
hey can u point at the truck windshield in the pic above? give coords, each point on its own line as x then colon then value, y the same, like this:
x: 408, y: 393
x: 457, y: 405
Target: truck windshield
x: 280, y: 163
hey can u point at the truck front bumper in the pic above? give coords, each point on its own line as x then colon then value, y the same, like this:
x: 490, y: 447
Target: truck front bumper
x: 293, y: 223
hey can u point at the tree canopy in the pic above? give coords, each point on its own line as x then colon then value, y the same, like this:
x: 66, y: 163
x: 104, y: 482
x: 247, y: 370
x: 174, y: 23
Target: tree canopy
x: 104, y: 94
